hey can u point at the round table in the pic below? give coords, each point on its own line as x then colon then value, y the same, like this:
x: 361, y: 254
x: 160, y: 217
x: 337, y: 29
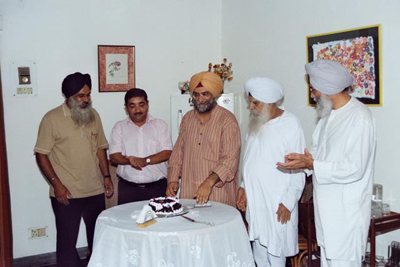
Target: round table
x: 173, y: 241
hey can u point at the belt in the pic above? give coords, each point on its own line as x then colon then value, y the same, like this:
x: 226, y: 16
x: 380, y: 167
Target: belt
x: 145, y: 185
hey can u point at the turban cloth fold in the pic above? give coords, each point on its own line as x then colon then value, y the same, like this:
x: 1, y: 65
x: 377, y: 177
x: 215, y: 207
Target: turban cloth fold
x: 73, y: 83
x: 328, y: 77
x: 264, y: 89
x: 209, y: 80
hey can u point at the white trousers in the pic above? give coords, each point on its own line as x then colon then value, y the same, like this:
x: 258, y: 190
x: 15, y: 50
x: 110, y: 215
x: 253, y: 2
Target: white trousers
x: 265, y: 259
x: 325, y: 262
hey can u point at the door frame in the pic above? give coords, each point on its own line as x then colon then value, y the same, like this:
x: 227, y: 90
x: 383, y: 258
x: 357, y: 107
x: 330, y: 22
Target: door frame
x: 6, y: 255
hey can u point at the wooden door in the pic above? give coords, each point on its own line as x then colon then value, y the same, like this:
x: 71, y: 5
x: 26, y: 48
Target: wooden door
x: 5, y: 213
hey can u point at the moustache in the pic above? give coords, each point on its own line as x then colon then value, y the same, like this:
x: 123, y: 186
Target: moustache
x: 254, y: 112
x: 84, y: 104
x: 138, y: 113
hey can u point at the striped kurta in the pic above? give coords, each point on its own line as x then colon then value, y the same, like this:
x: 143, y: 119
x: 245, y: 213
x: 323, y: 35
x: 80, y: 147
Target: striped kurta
x: 202, y: 149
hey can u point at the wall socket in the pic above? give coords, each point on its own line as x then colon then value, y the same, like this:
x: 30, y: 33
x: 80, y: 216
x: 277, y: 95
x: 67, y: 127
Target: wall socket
x: 37, y: 232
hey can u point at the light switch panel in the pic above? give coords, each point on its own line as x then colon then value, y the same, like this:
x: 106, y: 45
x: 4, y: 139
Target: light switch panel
x: 24, y: 79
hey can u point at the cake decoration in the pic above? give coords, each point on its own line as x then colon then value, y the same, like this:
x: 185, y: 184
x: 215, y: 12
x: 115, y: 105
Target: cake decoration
x: 165, y: 205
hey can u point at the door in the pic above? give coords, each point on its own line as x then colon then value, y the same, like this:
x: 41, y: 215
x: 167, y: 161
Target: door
x: 5, y: 213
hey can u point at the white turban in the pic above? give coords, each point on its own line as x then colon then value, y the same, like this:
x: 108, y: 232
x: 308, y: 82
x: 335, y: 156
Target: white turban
x: 264, y: 89
x: 328, y: 77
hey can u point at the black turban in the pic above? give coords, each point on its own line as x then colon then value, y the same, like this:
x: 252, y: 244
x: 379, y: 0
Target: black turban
x: 73, y: 83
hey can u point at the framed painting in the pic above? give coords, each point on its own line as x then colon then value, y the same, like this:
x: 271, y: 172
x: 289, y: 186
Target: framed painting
x: 359, y: 50
x: 116, y: 68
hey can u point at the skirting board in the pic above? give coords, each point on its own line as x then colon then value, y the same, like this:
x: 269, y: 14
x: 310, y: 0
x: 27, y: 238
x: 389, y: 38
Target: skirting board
x: 43, y: 259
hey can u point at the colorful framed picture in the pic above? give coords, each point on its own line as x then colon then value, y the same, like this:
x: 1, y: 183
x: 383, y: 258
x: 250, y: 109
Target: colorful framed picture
x: 359, y: 50
x: 116, y: 68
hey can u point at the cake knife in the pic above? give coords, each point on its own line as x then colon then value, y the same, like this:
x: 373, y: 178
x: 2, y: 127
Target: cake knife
x: 195, y: 221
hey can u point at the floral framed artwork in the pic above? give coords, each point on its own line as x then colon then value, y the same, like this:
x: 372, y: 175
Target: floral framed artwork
x: 359, y: 50
x: 116, y: 68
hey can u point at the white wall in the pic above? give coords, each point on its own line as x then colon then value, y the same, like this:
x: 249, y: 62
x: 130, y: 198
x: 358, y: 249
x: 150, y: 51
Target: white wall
x: 269, y: 38
x: 174, y: 39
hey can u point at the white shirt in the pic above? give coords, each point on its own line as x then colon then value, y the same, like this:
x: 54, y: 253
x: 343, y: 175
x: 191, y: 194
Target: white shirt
x: 343, y: 148
x: 131, y: 140
x: 266, y: 186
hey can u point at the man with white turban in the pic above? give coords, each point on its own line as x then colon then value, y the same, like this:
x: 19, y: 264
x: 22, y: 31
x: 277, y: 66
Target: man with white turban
x: 342, y: 158
x: 272, y: 194
x: 206, y: 154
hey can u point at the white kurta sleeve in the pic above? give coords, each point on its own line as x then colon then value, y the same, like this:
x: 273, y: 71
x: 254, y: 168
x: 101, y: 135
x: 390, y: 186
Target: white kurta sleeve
x: 314, y: 139
x: 350, y: 164
x: 314, y: 146
x: 297, y: 179
x: 295, y: 190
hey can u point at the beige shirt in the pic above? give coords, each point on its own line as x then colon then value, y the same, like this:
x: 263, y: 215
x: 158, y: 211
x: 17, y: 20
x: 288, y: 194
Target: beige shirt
x: 72, y: 151
x: 202, y: 149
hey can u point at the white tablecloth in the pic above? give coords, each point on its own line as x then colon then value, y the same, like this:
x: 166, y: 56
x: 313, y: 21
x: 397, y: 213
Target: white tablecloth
x: 171, y: 242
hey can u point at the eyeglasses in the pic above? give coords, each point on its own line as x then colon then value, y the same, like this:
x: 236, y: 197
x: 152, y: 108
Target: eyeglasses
x: 204, y: 94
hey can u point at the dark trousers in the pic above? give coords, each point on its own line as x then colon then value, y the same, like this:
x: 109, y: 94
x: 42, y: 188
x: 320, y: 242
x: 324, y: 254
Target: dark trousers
x: 68, y: 218
x: 131, y: 192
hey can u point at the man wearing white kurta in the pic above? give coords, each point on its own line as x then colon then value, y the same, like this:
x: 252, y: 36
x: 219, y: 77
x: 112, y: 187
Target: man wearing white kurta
x: 272, y: 194
x: 342, y: 157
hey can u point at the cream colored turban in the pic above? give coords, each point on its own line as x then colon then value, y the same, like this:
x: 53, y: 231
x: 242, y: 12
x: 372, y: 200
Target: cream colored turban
x: 264, y: 89
x: 209, y: 80
x: 329, y: 77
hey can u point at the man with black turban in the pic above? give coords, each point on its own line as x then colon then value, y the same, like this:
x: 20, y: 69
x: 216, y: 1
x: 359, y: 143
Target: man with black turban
x: 69, y: 150
x: 206, y: 154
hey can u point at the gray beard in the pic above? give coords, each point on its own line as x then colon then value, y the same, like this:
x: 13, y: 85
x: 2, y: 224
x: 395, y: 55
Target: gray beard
x: 258, y: 120
x: 204, y: 108
x: 81, y: 116
x: 324, y: 106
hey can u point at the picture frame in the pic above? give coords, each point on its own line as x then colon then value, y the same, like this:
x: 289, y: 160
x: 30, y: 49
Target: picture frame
x: 116, y: 68
x: 359, y: 50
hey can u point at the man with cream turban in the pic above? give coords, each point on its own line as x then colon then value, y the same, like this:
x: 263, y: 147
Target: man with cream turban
x: 271, y: 193
x: 206, y: 154
x: 341, y: 158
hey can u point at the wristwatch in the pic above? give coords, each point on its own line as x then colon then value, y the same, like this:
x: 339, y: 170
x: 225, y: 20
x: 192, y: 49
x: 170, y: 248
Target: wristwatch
x: 148, y: 161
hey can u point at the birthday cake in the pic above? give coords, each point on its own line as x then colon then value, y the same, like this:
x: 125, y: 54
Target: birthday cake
x: 165, y: 205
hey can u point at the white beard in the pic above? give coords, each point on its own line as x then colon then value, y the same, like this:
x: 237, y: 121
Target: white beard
x: 258, y: 120
x: 324, y: 106
x: 81, y: 116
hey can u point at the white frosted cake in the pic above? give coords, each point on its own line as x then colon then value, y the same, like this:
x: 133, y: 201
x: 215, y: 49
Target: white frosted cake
x: 165, y: 205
